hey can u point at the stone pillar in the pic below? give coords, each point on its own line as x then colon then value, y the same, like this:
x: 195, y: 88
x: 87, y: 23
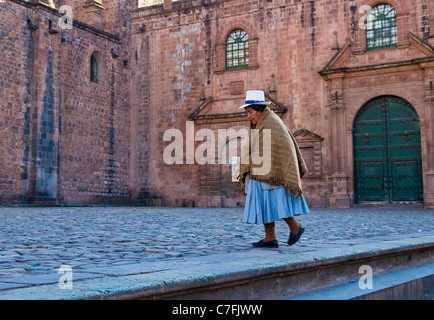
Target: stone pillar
x: 427, y: 135
x: 92, y: 13
x: 44, y: 126
x: 339, y: 196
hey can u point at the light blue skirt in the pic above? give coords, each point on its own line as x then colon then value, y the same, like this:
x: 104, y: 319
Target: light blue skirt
x: 266, y: 204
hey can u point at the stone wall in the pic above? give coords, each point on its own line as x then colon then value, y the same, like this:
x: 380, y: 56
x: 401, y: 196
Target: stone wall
x: 66, y: 139
x: 181, y: 50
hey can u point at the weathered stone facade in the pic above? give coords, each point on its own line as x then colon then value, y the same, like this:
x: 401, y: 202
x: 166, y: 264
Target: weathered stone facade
x: 66, y: 139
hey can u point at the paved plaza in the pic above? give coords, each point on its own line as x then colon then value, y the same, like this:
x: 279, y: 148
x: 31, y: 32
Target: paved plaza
x: 39, y: 240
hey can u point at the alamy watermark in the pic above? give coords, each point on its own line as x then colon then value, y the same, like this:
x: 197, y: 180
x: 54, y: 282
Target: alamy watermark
x: 366, y: 280
x: 65, y: 281
x: 66, y: 20
x: 363, y: 19
x: 205, y: 153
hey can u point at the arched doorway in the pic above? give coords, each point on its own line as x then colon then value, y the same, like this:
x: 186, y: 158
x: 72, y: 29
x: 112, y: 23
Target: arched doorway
x: 387, y: 152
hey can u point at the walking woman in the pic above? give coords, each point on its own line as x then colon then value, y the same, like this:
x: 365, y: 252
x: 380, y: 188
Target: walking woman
x: 276, y: 193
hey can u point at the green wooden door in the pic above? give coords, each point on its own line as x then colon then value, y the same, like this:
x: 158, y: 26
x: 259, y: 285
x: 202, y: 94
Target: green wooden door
x: 387, y: 153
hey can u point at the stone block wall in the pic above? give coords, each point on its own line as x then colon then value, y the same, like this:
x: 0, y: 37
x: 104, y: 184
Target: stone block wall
x: 181, y: 50
x: 66, y: 138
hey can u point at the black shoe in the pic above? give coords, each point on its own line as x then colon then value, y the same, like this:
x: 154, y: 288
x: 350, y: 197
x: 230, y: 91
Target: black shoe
x: 293, y: 238
x: 262, y: 244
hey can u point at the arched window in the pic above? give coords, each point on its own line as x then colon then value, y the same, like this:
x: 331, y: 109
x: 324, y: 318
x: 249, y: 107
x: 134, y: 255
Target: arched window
x: 94, y: 69
x: 237, y: 50
x: 381, y: 30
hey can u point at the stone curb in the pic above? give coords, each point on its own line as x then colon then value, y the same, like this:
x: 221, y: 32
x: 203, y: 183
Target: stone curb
x: 212, y: 277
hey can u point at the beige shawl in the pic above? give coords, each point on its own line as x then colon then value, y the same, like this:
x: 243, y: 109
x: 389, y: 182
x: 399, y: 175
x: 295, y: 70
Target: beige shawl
x: 278, y: 161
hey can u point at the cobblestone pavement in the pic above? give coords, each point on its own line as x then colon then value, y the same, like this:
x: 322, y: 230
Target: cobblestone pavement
x: 39, y: 240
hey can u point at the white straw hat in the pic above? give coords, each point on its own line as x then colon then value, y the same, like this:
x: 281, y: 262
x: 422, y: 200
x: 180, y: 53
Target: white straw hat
x: 254, y: 98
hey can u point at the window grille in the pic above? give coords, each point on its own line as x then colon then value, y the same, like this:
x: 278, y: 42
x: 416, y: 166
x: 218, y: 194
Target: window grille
x: 381, y: 29
x: 237, y: 50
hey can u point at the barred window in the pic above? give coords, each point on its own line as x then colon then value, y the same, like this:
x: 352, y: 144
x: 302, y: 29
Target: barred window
x: 381, y: 30
x: 237, y: 50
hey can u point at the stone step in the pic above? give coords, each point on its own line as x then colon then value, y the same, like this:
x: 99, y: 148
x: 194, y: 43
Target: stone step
x: 256, y: 274
x: 412, y: 283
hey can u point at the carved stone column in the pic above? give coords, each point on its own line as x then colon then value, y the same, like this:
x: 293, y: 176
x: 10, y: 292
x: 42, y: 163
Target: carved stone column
x: 427, y: 135
x: 339, y: 196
